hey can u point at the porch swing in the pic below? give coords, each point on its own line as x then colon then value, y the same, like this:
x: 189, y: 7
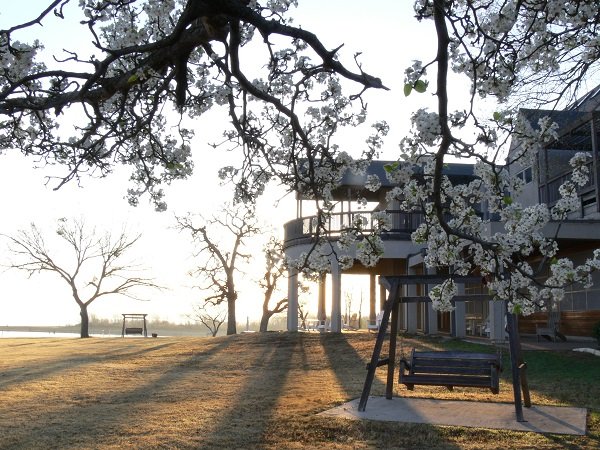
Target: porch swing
x: 443, y: 368
x: 136, y: 325
x: 450, y: 369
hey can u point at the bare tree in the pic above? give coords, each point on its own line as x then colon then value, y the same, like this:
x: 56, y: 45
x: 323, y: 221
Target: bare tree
x: 219, y: 266
x: 302, y: 315
x: 348, y: 308
x: 94, y: 269
x: 211, y: 318
x: 360, y: 310
x: 274, y: 270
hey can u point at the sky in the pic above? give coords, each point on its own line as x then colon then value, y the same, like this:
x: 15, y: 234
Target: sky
x: 388, y: 37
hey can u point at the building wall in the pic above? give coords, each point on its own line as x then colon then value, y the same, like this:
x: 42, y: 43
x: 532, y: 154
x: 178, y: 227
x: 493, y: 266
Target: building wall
x: 577, y: 297
x: 572, y: 323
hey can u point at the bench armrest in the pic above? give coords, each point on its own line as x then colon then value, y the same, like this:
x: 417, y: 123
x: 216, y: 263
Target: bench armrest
x: 404, y: 365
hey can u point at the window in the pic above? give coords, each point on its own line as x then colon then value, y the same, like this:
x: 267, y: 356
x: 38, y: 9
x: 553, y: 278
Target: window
x: 526, y: 175
x: 588, y: 200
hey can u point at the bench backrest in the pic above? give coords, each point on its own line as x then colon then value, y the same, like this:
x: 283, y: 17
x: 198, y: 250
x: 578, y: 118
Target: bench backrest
x: 134, y: 330
x: 464, y: 363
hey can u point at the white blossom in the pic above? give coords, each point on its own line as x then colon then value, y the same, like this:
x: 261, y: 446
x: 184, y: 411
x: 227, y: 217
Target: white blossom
x: 442, y: 294
x: 373, y: 183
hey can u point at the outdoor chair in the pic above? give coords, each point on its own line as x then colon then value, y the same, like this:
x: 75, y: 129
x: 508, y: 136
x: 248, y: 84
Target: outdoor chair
x: 552, y: 329
x: 377, y: 324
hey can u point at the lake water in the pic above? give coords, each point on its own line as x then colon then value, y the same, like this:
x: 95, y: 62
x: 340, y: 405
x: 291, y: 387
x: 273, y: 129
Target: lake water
x: 47, y: 334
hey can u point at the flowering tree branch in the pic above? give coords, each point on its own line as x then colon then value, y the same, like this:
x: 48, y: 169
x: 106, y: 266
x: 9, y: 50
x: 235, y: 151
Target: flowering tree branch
x: 505, y: 48
x: 163, y: 59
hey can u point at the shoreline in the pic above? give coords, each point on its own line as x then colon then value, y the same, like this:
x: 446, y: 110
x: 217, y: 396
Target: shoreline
x: 96, y: 330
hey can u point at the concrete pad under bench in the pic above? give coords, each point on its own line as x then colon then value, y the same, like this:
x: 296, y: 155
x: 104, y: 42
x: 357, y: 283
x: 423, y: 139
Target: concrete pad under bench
x: 539, y: 419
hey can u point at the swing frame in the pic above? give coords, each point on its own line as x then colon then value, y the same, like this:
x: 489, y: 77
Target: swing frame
x: 391, y: 312
x: 128, y: 331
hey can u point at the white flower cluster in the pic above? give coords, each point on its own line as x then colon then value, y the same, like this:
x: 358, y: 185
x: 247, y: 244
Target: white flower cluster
x: 221, y: 94
x: 132, y: 24
x: 281, y: 6
x: 373, y: 183
x: 569, y: 198
x: 581, y: 171
x: 18, y: 61
x: 512, y: 42
x: 346, y: 240
x: 381, y: 221
x: 568, y: 201
x: 427, y: 126
x: 442, y: 294
x: 312, y: 264
x: 414, y: 73
x: 399, y: 174
x: 369, y: 250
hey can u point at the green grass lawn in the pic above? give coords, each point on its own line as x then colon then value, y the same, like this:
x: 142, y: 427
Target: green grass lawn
x: 564, y: 377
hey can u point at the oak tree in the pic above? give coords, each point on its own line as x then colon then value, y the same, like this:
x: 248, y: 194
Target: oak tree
x: 92, y: 264
x: 274, y: 270
x: 220, y: 247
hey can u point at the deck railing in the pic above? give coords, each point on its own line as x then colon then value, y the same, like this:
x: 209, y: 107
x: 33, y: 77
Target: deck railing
x: 307, y: 227
x: 549, y: 191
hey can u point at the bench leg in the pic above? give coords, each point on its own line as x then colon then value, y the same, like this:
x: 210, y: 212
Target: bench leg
x: 495, y: 387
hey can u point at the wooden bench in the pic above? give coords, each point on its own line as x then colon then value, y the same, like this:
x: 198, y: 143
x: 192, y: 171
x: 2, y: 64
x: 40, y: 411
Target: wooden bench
x: 451, y: 368
x: 129, y: 331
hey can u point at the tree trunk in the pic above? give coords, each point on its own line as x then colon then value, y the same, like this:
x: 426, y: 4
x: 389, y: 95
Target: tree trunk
x: 85, y: 322
x: 231, y: 327
x: 264, y: 321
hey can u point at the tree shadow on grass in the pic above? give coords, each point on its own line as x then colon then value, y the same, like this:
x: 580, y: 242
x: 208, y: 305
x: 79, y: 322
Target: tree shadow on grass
x: 265, y: 376
x: 97, y: 419
x: 349, y: 366
x: 41, y: 369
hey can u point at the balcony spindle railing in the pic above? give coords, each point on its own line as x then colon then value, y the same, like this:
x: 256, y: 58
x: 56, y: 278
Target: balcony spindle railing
x: 549, y: 191
x: 307, y: 227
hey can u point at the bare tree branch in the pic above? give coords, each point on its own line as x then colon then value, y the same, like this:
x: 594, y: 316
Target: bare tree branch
x: 211, y: 318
